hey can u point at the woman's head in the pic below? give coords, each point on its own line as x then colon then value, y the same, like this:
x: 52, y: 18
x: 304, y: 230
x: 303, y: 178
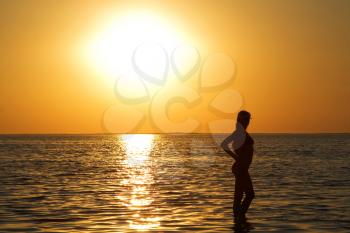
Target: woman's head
x: 243, y: 117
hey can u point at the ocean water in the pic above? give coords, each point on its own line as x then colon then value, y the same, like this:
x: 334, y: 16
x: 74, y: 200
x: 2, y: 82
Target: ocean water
x: 171, y: 183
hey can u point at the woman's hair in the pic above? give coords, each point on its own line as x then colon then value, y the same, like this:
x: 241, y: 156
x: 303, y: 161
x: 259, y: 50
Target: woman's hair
x: 243, y: 115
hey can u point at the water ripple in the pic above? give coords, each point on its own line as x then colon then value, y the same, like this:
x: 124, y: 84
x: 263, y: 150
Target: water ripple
x: 170, y: 183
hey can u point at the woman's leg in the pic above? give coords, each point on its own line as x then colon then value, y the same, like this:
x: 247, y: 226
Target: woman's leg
x: 238, y: 195
x: 249, y: 193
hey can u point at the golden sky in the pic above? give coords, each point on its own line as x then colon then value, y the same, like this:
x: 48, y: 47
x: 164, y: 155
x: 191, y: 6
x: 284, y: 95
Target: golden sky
x: 291, y: 64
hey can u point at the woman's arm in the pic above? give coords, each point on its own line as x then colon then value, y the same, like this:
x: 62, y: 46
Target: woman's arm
x: 225, y: 146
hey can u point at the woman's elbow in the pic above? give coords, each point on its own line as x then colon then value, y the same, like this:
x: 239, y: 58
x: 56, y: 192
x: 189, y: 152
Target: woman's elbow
x: 223, y: 146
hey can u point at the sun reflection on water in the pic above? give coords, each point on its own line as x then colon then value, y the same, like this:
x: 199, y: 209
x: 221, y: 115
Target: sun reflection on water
x: 137, y: 148
x: 138, y: 182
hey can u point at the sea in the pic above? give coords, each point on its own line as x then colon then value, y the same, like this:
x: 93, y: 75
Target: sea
x: 171, y: 183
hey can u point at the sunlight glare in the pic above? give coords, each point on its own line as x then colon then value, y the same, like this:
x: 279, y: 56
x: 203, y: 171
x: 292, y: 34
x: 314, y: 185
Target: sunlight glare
x: 139, y: 181
x: 137, y: 148
x: 111, y: 49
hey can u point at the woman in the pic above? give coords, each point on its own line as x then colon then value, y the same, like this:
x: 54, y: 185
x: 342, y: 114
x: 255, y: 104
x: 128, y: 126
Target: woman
x: 243, y: 155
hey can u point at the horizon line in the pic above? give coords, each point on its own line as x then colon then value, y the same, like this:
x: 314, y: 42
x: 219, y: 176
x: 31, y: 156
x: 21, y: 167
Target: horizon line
x: 53, y: 134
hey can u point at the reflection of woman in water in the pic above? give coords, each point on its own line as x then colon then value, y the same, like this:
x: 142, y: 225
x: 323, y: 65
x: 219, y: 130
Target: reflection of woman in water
x: 243, y: 155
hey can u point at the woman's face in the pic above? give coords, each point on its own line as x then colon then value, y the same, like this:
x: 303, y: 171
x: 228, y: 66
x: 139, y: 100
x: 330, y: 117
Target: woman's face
x: 245, y: 121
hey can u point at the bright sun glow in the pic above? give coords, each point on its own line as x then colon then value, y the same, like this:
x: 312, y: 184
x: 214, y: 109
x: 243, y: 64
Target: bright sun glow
x: 138, y: 181
x: 110, y: 51
x: 137, y: 148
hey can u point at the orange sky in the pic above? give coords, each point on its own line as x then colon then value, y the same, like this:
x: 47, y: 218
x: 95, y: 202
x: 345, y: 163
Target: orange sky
x: 292, y: 64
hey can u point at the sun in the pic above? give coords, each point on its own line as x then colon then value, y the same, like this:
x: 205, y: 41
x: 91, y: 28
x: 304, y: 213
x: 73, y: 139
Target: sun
x: 110, y: 51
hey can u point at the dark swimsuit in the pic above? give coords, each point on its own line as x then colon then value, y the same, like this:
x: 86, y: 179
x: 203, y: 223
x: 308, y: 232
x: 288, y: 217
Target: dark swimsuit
x: 245, y: 154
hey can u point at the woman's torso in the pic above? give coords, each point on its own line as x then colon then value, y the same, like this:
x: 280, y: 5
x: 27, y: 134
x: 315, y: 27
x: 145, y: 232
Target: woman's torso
x: 245, y: 152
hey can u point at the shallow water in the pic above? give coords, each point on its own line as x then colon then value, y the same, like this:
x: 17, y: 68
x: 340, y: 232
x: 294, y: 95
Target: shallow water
x: 171, y: 183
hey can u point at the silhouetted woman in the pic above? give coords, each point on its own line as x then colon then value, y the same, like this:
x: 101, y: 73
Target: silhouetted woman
x: 243, y: 155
